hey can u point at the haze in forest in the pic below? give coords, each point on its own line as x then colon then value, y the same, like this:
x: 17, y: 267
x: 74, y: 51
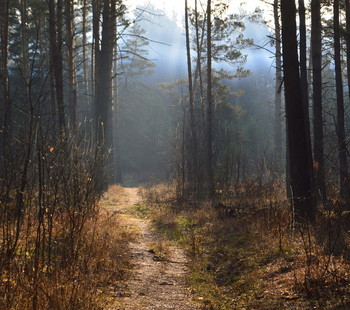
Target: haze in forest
x: 167, y: 51
x: 138, y: 137
x: 167, y: 44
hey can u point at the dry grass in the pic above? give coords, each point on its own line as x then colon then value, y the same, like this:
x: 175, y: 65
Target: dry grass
x: 162, y: 193
x: 73, y: 280
x: 249, y: 255
x: 113, y: 196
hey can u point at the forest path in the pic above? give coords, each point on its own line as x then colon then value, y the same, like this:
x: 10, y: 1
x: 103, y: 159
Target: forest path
x: 155, y: 283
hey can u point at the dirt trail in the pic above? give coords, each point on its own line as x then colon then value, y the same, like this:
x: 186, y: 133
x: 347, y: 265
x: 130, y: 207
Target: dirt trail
x: 155, y: 284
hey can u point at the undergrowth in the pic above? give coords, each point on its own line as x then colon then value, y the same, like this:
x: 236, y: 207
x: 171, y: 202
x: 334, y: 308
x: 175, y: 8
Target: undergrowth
x: 247, y: 254
x: 59, y: 249
x: 102, y: 260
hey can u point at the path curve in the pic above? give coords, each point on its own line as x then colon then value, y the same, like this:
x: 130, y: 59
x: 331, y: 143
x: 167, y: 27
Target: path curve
x: 155, y: 284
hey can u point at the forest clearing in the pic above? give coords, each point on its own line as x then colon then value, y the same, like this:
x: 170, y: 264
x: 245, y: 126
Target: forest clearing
x: 185, y: 154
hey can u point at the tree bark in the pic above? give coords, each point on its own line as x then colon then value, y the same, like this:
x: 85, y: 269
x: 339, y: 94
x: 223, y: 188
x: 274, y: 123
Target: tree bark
x: 52, y: 47
x: 278, y: 86
x: 209, y: 168
x: 316, y: 52
x: 4, y: 83
x: 116, y: 121
x: 343, y: 165
x: 72, y: 91
x: 85, y: 58
x: 193, y: 141
x: 24, y: 42
x: 103, y: 84
x: 198, y: 72
x: 95, y: 54
x: 55, y: 35
x: 300, y: 170
x: 59, y: 70
x: 304, y: 81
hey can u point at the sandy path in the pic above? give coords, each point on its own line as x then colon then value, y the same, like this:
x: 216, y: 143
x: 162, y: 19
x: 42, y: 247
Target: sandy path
x: 155, y: 284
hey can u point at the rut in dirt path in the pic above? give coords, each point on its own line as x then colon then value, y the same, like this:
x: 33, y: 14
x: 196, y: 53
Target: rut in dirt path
x: 155, y: 284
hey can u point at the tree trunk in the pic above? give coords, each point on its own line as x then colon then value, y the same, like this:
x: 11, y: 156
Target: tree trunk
x: 24, y: 42
x: 4, y: 84
x: 95, y: 57
x: 59, y: 70
x: 72, y: 92
x: 25, y: 54
x: 116, y: 121
x: 304, y: 81
x: 300, y: 170
x: 347, y: 38
x: 193, y: 141
x: 103, y: 90
x: 55, y: 26
x: 85, y: 58
x: 209, y: 165
x: 5, y: 103
x: 198, y: 72
x: 52, y: 47
x: 95, y: 53
x: 343, y: 166
x: 278, y: 86
x: 316, y: 51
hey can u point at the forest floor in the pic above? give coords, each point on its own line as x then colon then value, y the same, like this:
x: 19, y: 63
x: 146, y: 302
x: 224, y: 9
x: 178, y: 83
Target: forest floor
x: 158, y: 272
x: 238, y: 256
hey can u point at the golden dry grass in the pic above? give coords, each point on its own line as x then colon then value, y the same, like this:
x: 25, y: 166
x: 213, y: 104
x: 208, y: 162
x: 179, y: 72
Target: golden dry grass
x: 75, y: 280
x: 254, y: 258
